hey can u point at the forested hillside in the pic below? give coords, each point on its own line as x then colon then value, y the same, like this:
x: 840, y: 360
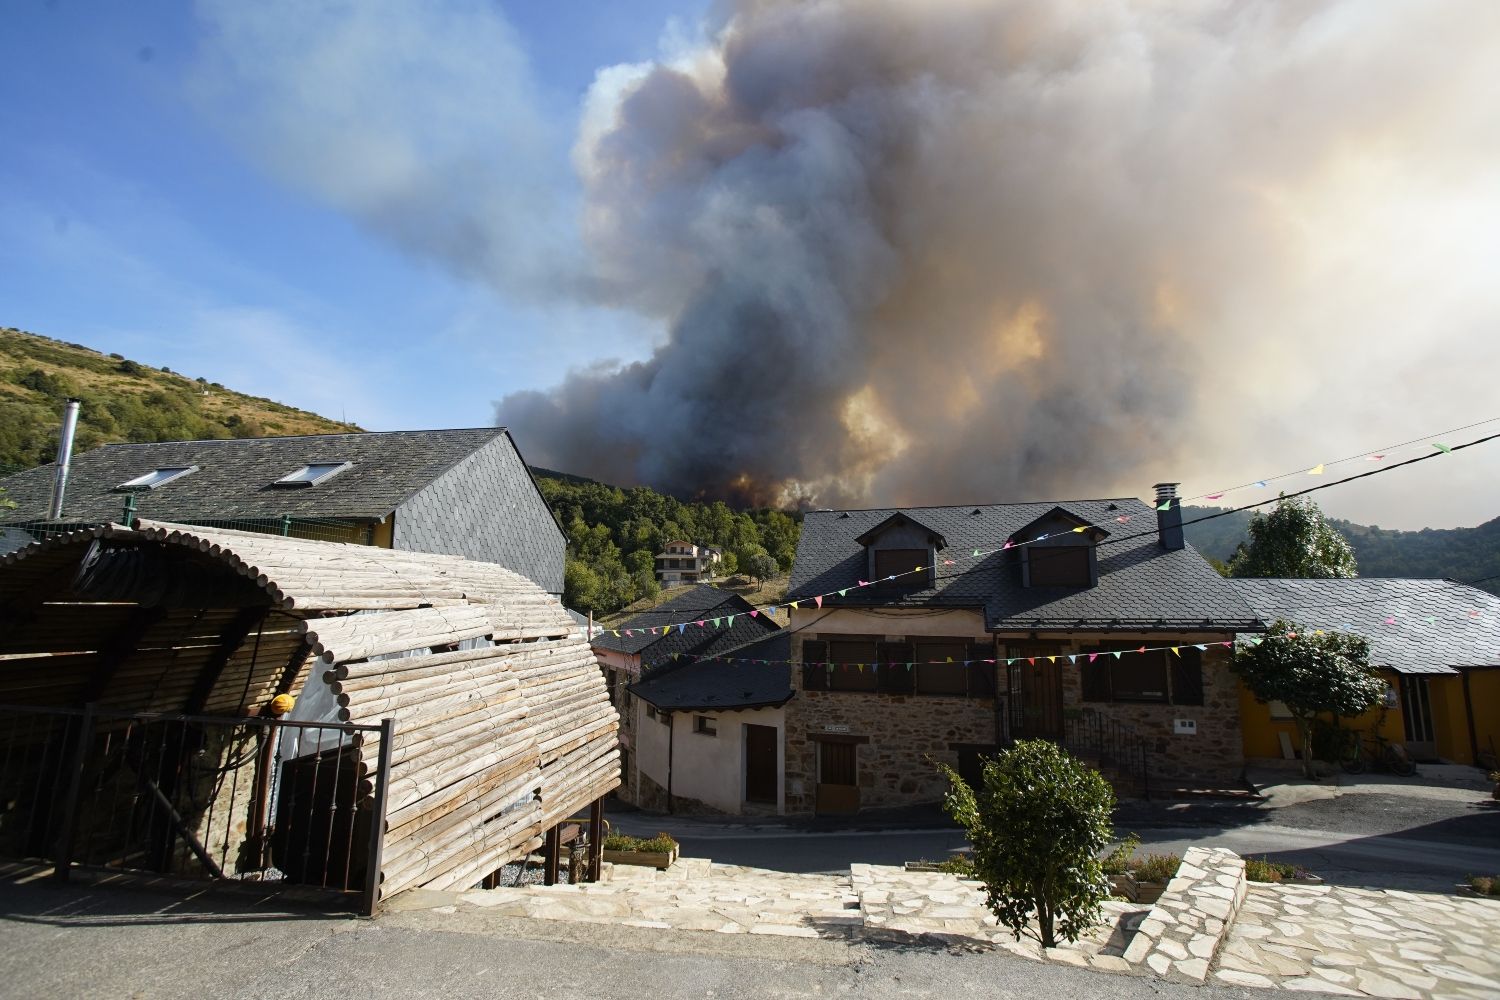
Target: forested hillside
x: 614, y: 535
x: 1456, y: 553
x: 123, y: 400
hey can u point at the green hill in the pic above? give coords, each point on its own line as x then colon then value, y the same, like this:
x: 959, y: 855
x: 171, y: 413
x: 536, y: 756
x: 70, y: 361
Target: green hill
x: 123, y: 400
x: 1455, y: 553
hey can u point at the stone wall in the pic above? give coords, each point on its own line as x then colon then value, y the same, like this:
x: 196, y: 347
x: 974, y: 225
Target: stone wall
x: 1214, y: 754
x: 908, y: 735
x: 1181, y: 935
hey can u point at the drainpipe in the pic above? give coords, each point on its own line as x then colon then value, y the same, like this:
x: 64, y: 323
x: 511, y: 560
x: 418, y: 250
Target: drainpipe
x: 64, y: 459
x: 671, y: 739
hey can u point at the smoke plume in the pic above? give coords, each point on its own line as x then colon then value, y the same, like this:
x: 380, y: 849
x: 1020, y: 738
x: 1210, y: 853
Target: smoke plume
x: 967, y: 250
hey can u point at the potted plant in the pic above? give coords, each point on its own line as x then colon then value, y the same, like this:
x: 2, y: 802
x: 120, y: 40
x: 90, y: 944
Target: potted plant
x: 1263, y: 869
x: 659, y: 851
x: 1150, y: 876
x: 1116, y: 865
x: 1482, y: 886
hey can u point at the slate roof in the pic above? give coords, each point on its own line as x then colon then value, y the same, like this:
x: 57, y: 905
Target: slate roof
x: 710, y: 685
x: 698, y: 603
x: 1411, y: 645
x: 1142, y: 587
x: 235, y: 476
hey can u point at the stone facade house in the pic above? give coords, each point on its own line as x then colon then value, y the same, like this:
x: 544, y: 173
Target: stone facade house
x: 959, y: 645
x: 690, y: 728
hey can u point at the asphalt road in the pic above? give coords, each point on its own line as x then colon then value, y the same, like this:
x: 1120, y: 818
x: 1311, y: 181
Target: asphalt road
x: 63, y: 942
x: 1376, y: 839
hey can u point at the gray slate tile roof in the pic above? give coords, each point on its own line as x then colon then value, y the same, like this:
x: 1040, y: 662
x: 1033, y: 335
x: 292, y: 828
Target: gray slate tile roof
x: 1411, y: 644
x: 712, y: 685
x: 235, y: 476
x: 1142, y: 586
x: 696, y: 603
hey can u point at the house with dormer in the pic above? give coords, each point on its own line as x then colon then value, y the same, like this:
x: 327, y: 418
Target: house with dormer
x: 938, y: 634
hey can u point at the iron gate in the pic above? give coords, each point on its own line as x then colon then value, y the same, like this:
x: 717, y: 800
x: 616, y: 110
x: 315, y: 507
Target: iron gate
x: 260, y: 800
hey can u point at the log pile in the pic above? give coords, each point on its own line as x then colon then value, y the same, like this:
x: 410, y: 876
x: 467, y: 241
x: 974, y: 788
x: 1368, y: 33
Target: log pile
x: 503, y: 724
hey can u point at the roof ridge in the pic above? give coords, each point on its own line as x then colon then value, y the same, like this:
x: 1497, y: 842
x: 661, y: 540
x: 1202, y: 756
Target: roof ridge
x: 297, y: 437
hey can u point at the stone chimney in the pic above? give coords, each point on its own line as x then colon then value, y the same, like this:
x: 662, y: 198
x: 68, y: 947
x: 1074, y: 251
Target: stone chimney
x: 1169, y: 516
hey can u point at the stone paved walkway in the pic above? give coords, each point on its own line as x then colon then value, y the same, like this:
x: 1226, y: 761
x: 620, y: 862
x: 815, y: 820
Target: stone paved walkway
x: 871, y: 902
x: 1364, y: 942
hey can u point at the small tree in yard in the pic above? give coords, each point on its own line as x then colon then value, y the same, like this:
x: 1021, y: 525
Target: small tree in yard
x: 1311, y: 674
x: 762, y: 567
x: 1294, y: 541
x: 1037, y: 823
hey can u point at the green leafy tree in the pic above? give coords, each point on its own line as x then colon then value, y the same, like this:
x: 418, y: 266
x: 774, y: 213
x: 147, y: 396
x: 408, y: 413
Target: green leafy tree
x: 728, y: 565
x: 1293, y: 540
x: 1311, y: 674
x: 581, y: 585
x: 762, y: 567
x: 1037, y: 823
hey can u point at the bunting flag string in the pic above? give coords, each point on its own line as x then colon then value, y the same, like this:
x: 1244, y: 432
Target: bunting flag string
x: 1010, y: 543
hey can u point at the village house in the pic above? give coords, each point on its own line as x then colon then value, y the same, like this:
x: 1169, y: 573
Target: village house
x: 682, y: 562
x: 451, y: 492
x: 1436, y: 642
x: 692, y: 729
x: 1018, y: 642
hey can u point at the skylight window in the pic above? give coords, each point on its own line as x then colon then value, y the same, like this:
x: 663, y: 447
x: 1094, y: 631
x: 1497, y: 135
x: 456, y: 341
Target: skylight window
x: 157, y: 477
x: 313, y: 474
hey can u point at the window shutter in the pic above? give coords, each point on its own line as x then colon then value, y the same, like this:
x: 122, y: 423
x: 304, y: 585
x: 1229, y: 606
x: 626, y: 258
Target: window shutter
x: 894, y: 677
x: 814, y: 667
x: 981, y: 674
x: 1095, y: 678
x: 1187, y: 676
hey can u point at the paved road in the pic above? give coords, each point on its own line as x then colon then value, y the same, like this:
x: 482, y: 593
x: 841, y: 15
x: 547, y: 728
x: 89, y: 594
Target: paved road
x: 64, y: 943
x: 1397, y: 840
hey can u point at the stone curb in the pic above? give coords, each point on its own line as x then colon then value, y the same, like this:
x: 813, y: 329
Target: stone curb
x: 1181, y: 935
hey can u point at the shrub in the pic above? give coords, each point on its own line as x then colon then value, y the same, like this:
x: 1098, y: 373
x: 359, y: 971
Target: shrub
x: 662, y: 843
x: 1156, y: 867
x: 1485, y: 885
x: 1117, y: 861
x: 1266, y: 870
x: 960, y: 864
x: 128, y: 367
x: 1037, y: 822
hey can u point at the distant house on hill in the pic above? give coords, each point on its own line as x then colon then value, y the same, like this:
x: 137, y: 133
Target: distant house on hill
x: 682, y: 562
x: 455, y: 492
x: 697, y: 735
x: 1436, y: 641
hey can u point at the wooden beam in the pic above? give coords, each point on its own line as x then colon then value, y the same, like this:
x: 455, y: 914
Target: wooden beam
x: 229, y: 640
x: 119, y: 649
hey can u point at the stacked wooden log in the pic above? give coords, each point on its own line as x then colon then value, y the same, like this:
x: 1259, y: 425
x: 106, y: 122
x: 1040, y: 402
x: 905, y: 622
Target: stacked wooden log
x: 494, y: 743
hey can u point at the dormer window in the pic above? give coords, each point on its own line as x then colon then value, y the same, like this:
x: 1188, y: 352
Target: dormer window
x: 1058, y: 550
x: 313, y: 473
x: 899, y: 563
x: 157, y: 477
x: 896, y: 548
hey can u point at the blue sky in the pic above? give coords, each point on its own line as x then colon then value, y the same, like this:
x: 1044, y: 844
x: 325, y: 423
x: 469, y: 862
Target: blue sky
x: 131, y: 220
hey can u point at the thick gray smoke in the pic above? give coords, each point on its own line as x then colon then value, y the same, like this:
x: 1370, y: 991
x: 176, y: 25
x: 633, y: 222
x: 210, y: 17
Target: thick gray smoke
x: 951, y: 251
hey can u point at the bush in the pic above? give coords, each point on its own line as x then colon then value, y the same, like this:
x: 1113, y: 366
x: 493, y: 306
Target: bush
x: 1117, y: 861
x: 1265, y: 870
x: 1485, y: 885
x: 128, y: 367
x: 662, y: 843
x: 1037, y: 823
x: 1156, y: 867
x: 960, y: 864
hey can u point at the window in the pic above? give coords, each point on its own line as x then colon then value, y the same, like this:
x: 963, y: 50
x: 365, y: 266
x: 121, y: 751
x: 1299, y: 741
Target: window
x: 157, y: 477
x: 854, y: 668
x: 895, y: 562
x: 937, y: 676
x: 1139, y: 677
x: 1059, y: 566
x: 313, y: 473
x: 894, y: 677
x: 705, y: 725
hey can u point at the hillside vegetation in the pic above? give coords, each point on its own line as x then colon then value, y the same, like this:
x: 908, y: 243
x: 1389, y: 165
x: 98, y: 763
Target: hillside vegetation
x: 123, y: 400
x: 1455, y: 553
x: 614, y: 535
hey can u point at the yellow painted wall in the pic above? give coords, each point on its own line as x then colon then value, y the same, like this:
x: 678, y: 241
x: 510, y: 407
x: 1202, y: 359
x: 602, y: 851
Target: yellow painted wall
x: 385, y: 532
x: 1450, y: 722
x: 1261, y: 731
x: 1484, y: 696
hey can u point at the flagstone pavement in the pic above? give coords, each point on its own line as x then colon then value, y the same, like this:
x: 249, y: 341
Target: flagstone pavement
x: 1363, y: 942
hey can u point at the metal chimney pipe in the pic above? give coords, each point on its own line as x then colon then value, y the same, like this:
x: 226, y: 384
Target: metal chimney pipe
x: 64, y: 459
x: 1169, y: 516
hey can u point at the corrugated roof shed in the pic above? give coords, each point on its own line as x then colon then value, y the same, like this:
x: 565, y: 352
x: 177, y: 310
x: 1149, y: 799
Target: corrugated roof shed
x: 1393, y: 615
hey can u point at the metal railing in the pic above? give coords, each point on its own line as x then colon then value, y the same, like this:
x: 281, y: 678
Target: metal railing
x: 1108, y: 742
x: 274, y: 802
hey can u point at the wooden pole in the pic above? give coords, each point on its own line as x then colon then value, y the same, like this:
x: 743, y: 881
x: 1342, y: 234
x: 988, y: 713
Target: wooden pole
x: 596, y: 840
x: 550, y: 852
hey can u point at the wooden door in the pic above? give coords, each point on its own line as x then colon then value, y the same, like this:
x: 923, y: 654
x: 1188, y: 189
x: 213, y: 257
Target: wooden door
x: 1416, y: 718
x: 1035, y: 691
x: 838, y: 778
x: 760, y: 764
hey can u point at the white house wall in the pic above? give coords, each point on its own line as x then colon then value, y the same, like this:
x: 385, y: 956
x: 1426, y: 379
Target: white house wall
x: 709, y: 769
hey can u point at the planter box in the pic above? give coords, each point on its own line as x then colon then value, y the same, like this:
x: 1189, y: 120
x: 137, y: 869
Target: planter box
x: 1122, y: 885
x: 1468, y: 890
x: 1147, y: 892
x: 645, y: 859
